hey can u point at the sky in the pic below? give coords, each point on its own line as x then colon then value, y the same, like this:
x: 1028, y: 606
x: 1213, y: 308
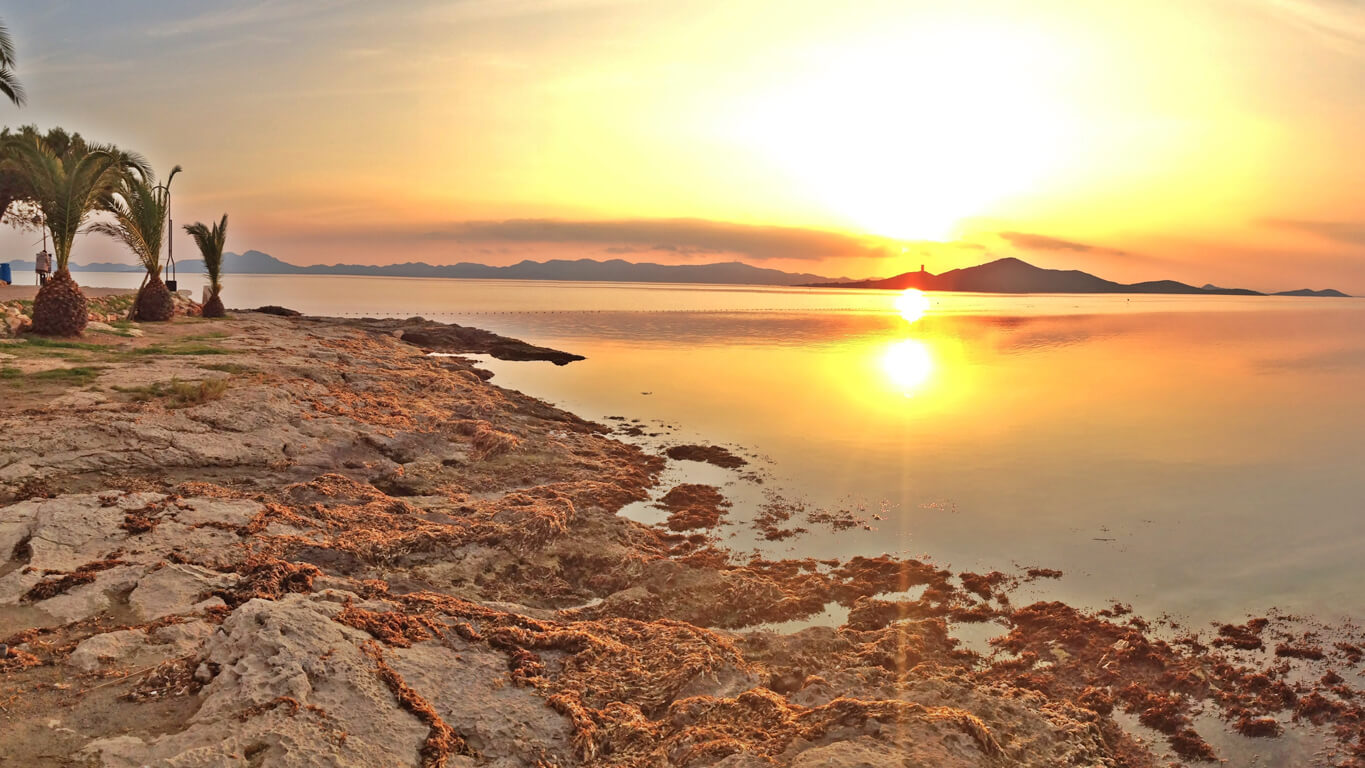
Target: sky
x: 1199, y: 140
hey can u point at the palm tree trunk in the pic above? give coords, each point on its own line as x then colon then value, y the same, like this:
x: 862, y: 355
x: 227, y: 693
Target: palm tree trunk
x: 60, y: 308
x: 154, y: 302
x: 132, y: 309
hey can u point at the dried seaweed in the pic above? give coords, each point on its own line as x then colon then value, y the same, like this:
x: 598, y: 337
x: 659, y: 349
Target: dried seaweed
x: 49, y: 588
x: 442, y: 742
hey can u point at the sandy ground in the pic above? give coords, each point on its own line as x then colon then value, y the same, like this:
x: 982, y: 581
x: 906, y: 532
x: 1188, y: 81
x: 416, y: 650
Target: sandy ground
x: 265, y: 541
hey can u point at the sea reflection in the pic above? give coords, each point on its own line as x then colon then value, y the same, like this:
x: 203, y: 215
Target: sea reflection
x: 1152, y: 456
x: 909, y: 365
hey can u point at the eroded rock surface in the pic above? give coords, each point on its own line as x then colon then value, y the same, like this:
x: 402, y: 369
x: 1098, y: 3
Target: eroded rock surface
x: 352, y: 554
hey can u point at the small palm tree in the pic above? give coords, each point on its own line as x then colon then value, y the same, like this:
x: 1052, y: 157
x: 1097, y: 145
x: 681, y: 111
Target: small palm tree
x: 138, y: 206
x: 9, y: 84
x: 66, y: 186
x: 211, y: 241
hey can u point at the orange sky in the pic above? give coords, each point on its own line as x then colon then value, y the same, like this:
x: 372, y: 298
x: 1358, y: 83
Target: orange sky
x: 1201, y: 140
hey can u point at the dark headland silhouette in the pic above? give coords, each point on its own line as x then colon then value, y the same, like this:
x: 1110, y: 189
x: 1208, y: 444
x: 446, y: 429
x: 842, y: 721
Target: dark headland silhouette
x: 1011, y: 275
x: 1008, y: 275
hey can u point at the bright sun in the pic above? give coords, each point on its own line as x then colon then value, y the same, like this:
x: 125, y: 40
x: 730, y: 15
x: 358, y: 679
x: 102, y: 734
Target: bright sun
x: 907, y: 136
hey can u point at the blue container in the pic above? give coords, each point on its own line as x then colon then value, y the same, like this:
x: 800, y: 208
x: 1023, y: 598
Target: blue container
x: 4, y: 274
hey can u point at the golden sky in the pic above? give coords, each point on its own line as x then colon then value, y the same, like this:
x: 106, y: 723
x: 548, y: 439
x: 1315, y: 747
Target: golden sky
x: 1201, y: 140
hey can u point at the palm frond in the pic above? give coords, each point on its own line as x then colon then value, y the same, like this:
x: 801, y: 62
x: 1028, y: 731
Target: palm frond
x: 6, y: 47
x: 138, y: 207
x: 11, y: 87
x: 9, y: 82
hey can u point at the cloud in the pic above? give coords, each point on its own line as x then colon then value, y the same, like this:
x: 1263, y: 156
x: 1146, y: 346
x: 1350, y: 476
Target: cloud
x: 681, y: 250
x: 681, y: 236
x: 1034, y: 242
x: 1348, y: 232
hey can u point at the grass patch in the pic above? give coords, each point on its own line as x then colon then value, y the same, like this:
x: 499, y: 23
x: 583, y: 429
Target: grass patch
x: 233, y: 368
x: 43, y: 342
x: 75, y: 376
x: 180, y: 348
x: 42, y: 347
x: 114, y: 331
x: 177, y: 393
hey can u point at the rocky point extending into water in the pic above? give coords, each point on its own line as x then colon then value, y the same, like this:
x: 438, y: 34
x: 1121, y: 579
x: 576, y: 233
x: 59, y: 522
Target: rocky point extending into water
x: 275, y: 541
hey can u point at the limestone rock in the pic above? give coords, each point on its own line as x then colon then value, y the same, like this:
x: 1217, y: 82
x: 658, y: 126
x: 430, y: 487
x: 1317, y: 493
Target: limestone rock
x: 70, y: 531
x: 287, y: 648
x: 90, y: 600
x: 175, y: 589
x: 232, y: 512
x: 183, y: 638
x: 469, y: 686
x: 127, y: 647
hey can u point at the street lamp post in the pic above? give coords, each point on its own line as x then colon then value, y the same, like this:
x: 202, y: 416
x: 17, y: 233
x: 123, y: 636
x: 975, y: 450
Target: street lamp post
x: 164, y: 190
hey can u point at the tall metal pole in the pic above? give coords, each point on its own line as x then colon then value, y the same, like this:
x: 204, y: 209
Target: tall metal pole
x: 170, y: 234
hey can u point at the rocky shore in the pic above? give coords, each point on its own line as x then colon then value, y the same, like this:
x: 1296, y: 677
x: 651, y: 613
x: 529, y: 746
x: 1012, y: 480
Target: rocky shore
x: 279, y: 541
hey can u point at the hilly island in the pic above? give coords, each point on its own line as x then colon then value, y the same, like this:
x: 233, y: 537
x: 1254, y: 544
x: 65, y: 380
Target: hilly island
x: 1011, y: 275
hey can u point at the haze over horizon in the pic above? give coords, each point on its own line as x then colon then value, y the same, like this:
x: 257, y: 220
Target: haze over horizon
x: 799, y: 136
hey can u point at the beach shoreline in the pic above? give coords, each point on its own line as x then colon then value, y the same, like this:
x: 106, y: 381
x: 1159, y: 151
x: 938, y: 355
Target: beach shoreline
x: 267, y: 539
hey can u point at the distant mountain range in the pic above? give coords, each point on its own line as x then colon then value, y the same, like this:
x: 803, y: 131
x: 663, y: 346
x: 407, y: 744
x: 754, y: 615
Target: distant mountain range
x: 1008, y: 275
x: 614, y: 270
x: 1012, y: 275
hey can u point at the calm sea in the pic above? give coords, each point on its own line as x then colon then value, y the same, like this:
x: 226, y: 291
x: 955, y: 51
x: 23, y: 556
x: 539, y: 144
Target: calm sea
x: 1198, y: 456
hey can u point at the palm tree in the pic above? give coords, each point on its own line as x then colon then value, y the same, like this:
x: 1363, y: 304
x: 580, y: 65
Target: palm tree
x: 138, y: 206
x: 66, y: 180
x: 210, y: 242
x: 9, y: 84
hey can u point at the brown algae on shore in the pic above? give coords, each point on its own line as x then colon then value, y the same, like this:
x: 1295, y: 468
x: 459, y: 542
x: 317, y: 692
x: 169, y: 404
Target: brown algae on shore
x: 710, y: 454
x: 691, y: 506
x: 359, y: 555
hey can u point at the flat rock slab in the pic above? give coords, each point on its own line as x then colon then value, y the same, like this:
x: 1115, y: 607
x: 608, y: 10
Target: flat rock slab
x: 177, y: 589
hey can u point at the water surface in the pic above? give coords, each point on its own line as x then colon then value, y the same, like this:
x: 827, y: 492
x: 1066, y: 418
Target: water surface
x: 1194, y: 455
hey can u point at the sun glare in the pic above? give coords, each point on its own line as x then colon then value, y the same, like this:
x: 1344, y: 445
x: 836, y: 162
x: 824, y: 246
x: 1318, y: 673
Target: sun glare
x: 912, y: 304
x: 908, y: 364
x: 908, y: 137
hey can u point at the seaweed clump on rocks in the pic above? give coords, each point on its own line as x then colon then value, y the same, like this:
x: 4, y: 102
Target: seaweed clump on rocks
x: 691, y: 506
